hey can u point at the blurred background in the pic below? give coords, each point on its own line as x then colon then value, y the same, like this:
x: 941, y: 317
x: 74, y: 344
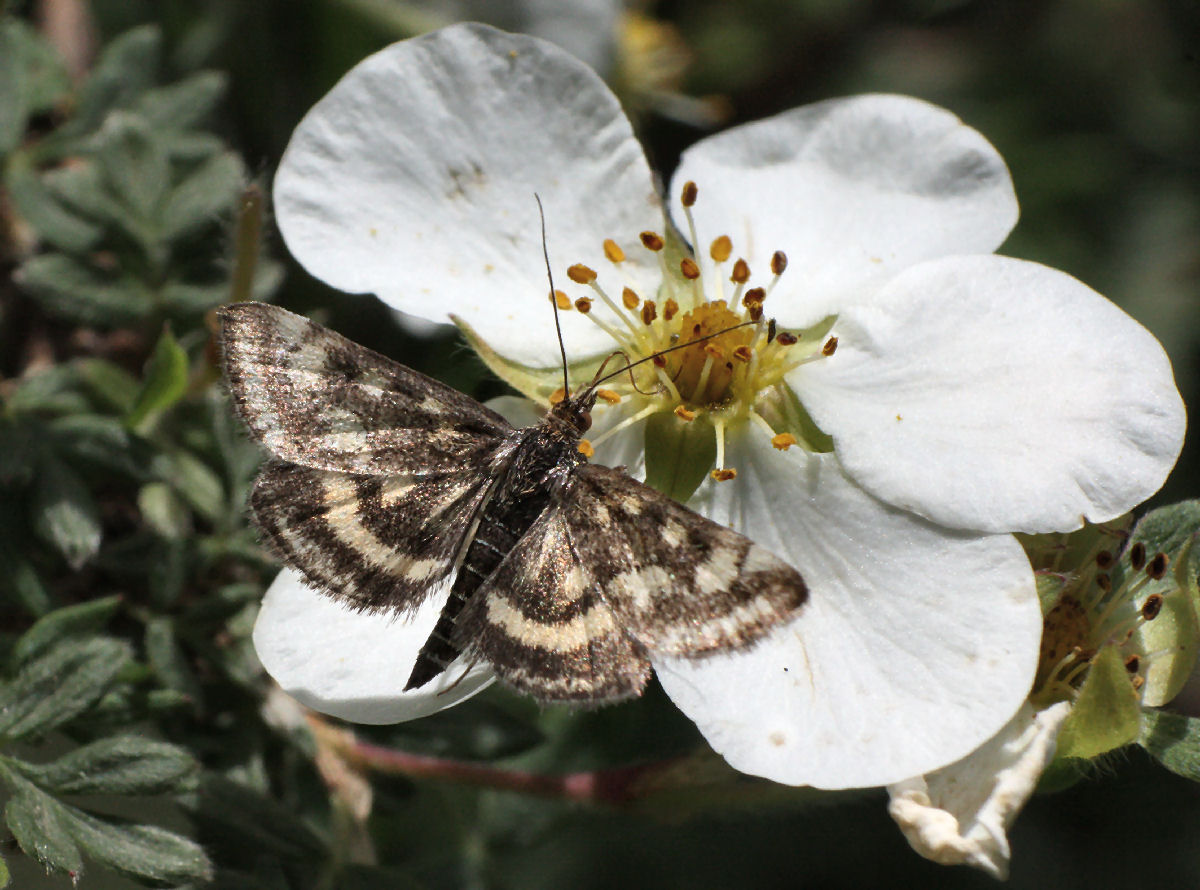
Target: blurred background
x: 130, y: 129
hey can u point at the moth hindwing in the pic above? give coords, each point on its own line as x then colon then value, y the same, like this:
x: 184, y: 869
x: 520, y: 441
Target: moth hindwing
x: 387, y: 488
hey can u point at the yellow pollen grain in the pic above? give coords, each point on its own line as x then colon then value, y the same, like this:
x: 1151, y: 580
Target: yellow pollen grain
x: 649, y: 312
x: 778, y: 262
x: 783, y: 441
x: 740, y: 273
x: 613, y: 251
x: 557, y: 396
x: 652, y: 241
x: 581, y: 274
x: 689, y: 268
x: 608, y: 395
x: 562, y: 301
x: 743, y: 353
x: 629, y: 298
x: 670, y: 308
x: 585, y: 448
x: 584, y: 305
x: 684, y: 413
x: 724, y: 474
x: 830, y: 347
x: 721, y: 249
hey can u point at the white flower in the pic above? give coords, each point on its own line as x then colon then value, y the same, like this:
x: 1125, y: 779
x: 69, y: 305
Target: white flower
x: 965, y: 395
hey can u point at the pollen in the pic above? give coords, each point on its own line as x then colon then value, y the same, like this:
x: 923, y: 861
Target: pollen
x: 581, y: 274
x: 830, y: 347
x: 689, y: 269
x: 562, y: 301
x: 690, y: 193
x: 721, y: 249
x: 629, y: 299
x: 649, y: 312
x: 783, y: 441
x: 740, y: 273
x: 613, y: 252
x: 652, y: 241
x: 670, y: 309
x: 586, y: 449
x: 724, y: 474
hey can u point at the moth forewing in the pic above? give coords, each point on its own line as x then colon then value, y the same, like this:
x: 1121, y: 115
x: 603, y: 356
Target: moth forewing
x: 387, y: 486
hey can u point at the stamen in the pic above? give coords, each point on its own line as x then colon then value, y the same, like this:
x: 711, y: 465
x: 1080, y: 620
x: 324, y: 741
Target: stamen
x: 786, y: 338
x: 743, y: 353
x: 557, y: 396
x: 624, y: 424
x: 562, y: 301
x: 1157, y: 567
x: 683, y: 413
x: 725, y: 474
x: 649, y: 312
x: 830, y: 347
x: 586, y: 449
x: 778, y: 264
x: 630, y: 299
x: 689, y: 268
x: 1152, y: 606
x: 584, y: 305
x: 721, y: 249
x: 783, y: 441
x: 652, y: 241
x: 1137, y: 556
x: 754, y: 295
x: 581, y: 274
x: 613, y: 251
x: 670, y: 308
x: 609, y: 396
x: 690, y: 192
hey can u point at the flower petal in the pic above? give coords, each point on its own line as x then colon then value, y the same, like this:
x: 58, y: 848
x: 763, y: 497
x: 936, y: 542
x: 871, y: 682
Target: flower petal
x: 960, y: 814
x: 916, y: 645
x: 414, y: 179
x: 352, y: 664
x: 997, y: 394
x: 852, y: 190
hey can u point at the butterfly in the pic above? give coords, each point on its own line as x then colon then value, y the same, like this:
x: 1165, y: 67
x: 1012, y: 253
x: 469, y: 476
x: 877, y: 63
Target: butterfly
x: 386, y: 487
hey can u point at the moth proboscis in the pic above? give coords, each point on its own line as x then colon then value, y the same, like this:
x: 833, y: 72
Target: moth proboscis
x: 386, y: 487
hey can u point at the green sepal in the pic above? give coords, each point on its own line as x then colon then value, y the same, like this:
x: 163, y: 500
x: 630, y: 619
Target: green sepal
x: 1107, y: 713
x: 679, y: 454
x: 1174, y: 741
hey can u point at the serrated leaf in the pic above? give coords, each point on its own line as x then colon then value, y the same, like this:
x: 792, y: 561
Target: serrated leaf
x: 46, y: 213
x: 144, y: 851
x: 168, y: 660
x: 117, y: 765
x: 165, y: 382
x: 679, y: 454
x: 109, y: 384
x: 67, y: 288
x: 136, y: 168
x: 192, y: 478
x: 65, y: 514
x: 184, y: 104
x: 206, y: 193
x: 1174, y: 741
x: 96, y: 441
x: 1107, y: 713
x: 126, y: 69
x: 37, y: 822
x: 83, y: 619
x: 59, y: 685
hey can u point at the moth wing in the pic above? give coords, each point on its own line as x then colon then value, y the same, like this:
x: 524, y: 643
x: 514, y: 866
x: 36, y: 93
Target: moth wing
x: 314, y: 398
x: 378, y: 543
x: 679, y: 584
x: 540, y: 620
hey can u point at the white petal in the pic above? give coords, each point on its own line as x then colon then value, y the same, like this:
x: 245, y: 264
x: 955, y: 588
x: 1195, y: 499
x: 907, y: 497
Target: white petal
x: 960, y: 815
x: 997, y: 394
x: 414, y: 179
x: 852, y: 190
x: 916, y: 645
x: 352, y: 664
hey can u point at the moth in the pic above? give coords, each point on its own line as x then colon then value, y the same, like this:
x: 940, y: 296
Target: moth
x: 385, y: 487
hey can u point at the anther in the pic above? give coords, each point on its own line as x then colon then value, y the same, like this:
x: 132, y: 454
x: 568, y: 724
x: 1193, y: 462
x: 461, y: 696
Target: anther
x: 755, y: 311
x: 1132, y: 663
x: 714, y: 350
x: 659, y: 361
x: 649, y: 312
x: 629, y: 298
x: 613, y: 251
x: 584, y: 305
x: 783, y: 441
x: 581, y: 274
x: 830, y: 347
x: 786, y: 339
x: 743, y: 353
x: 1157, y: 567
x: 1104, y: 559
x: 770, y: 330
x: 683, y: 413
x: 754, y: 295
x: 690, y: 191
x: 740, y: 273
x: 651, y: 241
x: 562, y: 301
x: 608, y: 395
x: 721, y: 249
x: 557, y: 396
x: 724, y: 475
x: 778, y: 262
x: 585, y: 448
x: 1137, y: 556
x: 1104, y: 582
x: 689, y: 268
x: 1152, y: 606
x: 670, y: 308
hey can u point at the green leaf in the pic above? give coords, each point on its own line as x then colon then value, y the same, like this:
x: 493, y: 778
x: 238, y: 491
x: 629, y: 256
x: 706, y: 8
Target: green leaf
x: 38, y: 823
x: 1174, y: 741
x: 123, y: 764
x: 59, y: 685
x: 163, y: 510
x: 18, y: 449
x: 32, y: 79
x: 67, y: 288
x: 18, y: 578
x: 1107, y: 713
x: 109, y: 384
x: 137, y: 171
x: 165, y: 382
x: 5, y: 877
x: 252, y: 819
x: 96, y: 441
x: 192, y: 478
x: 126, y: 69
x: 45, y: 212
x: 168, y: 660
x: 144, y: 851
x: 65, y: 514
x: 83, y: 619
x: 184, y: 104
x: 209, y: 191
x: 679, y: 454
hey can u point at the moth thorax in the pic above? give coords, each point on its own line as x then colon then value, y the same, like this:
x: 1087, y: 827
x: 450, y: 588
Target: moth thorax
x: 704, y: 371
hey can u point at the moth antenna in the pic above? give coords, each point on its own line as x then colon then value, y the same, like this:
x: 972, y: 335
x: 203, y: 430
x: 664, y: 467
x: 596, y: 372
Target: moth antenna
x: 553, y: 302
